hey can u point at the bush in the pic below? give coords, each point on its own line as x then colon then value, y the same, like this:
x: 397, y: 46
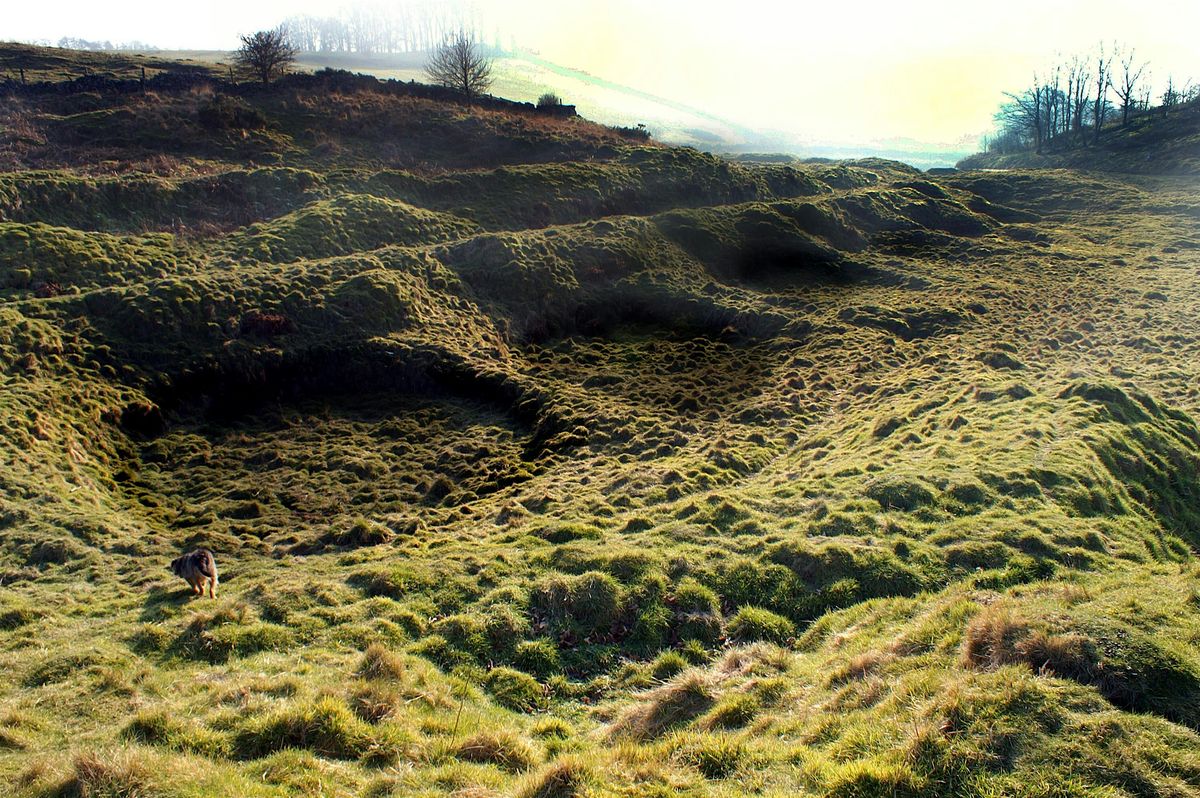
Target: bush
x: 515, y: 690
x: 754, y: 623
x: 639, y: 133
x: 549, y: 100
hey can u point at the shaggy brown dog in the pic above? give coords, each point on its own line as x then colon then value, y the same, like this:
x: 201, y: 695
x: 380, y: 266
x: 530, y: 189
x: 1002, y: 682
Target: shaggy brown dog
x: 198, y: 568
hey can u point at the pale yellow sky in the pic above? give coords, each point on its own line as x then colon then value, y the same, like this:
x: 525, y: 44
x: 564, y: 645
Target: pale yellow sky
x: 849, y: 71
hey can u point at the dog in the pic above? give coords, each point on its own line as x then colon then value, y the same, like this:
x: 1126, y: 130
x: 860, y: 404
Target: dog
x: 198, y: 568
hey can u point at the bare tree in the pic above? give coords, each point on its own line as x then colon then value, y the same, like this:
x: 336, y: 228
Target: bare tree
x: 1171, y: 96
x: 458, y: 63
x: 1026, y: 113
x: 1103, y: 84
x: 1079, y: 94
x: 1126, y: 88
x: 267, y: 54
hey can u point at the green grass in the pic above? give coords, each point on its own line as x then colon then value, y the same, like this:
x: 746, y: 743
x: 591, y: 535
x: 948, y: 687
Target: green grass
x: 541, y: 462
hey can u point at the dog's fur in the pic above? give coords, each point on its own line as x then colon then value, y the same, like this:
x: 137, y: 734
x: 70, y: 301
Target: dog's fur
x: 198, y: 568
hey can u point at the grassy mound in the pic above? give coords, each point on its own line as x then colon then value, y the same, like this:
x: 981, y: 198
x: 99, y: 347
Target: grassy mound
x: 541, y: 460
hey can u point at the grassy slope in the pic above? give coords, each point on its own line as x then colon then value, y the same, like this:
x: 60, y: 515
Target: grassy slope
x: 611, y: 470
x: 525, y: 78
x: 1151, y: 144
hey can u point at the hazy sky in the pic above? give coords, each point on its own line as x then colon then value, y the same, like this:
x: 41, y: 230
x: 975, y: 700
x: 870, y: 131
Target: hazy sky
x: 853, y: 71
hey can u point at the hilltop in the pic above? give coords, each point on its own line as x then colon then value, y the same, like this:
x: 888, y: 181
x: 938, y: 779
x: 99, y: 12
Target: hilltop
x: 541, y: 459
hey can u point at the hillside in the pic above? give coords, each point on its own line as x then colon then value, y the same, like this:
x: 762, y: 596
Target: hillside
x: 543, y: 461
x: 520, y: 76
x: 1151, y: 144
x: 525, y: 77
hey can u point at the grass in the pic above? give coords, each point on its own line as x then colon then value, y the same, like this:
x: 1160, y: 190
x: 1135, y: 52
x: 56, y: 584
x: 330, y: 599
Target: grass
x: 541, y: 461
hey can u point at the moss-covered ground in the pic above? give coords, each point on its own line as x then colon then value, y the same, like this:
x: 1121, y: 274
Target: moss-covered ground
x: 542, y: 462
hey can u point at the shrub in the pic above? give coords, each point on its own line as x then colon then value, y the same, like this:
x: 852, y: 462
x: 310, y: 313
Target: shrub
x: 754, y: 623
x: 549, y: 100
x: 515, y: 690
x: 639, y: 133
x: 505, y: 749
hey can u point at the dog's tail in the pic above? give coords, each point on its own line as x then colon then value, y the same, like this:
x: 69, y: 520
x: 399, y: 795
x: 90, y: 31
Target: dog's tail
x: 208, y: 567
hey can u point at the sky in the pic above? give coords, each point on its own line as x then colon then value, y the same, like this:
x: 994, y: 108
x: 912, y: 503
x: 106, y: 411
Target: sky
x: 829, y: 72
